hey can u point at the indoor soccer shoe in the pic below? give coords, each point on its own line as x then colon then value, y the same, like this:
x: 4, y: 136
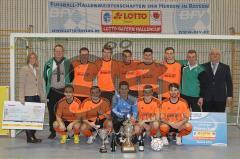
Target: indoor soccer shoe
x: 76, y: 139
x: 91, y: 139
x: 63, y: 139
x: 179, y: 140
x: 165, y: 140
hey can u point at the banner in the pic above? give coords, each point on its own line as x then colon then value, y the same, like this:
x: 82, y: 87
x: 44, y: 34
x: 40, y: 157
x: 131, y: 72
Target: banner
x: 27, y: 116
x: 208, y: 129
x: 129, y: 17
x: 4, y: 96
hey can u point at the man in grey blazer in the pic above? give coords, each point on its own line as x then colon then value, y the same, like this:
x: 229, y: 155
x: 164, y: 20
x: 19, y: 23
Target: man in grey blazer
x: 216, y: 83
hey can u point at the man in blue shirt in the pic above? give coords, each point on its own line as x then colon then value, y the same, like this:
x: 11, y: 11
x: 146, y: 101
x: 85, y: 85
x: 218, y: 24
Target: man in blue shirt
x: 123, y: 106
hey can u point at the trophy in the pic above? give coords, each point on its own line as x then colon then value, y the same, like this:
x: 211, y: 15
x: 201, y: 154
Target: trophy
x: 103, y: 133
x: 127, y: 145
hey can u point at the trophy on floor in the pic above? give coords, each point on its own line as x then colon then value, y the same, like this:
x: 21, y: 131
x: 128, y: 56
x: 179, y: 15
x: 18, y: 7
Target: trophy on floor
x: 127, y: 145
x: 103, y: 134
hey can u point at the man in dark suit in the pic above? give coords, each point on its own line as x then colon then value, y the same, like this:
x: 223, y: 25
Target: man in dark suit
x: 216, y: 84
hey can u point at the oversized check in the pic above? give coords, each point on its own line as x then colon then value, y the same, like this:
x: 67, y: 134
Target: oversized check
x: 27, y: 116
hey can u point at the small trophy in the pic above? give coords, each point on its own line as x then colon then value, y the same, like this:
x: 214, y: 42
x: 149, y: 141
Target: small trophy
x: 103, y: 133
x: 127, y: 145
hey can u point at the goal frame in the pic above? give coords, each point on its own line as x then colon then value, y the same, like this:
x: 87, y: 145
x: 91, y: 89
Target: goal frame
x: 14, y: 36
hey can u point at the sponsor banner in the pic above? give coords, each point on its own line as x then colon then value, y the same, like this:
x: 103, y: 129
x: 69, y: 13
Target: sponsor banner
x: 135, y: 17
x: 208, y: 129
x: 27, y: 116
x: 141, y: 21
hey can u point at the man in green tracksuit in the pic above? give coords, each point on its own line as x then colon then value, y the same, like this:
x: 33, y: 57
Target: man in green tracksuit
x: 56, y: 75
x: 190, y: 84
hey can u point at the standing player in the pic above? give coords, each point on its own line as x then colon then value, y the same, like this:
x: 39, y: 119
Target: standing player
x: 107, y: 73
x: 148, y: 112
x: 96, y: 112
x: 174, y: 116
x: 84, y: 73
x: 67, y: 119
x: 148, y: 72
x: 190, y: 84
x: 128, y: 72
x: 173, y: 72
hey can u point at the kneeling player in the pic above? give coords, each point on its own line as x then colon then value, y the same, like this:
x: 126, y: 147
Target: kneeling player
x: 66, y: 116
x: 148, y: 112
x: 97, y: 114
x: 124, y: 106
x: 175, y: 115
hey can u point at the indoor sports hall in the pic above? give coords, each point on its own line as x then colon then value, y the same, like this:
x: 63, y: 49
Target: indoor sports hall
x: 38, y: 27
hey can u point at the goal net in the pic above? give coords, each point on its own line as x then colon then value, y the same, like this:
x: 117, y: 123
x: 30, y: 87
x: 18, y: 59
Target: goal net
x: 43, y: 44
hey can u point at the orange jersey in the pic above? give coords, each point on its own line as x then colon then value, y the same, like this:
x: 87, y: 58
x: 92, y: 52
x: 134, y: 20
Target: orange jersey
x: 68, y: 111
x: 128, y: 72
x: 91, y: 109
x: 147, y: 111
x: 171, y: 75
x: 174, y: 112
x: 107, y: 71
x: 149, y: 74
x: 84, y: 74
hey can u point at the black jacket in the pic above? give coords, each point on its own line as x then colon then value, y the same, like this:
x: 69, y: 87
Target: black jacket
x: 216, y: 87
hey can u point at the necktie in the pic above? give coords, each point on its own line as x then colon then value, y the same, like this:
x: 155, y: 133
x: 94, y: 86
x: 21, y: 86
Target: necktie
x: 58, y: 68
x: 214, y: 66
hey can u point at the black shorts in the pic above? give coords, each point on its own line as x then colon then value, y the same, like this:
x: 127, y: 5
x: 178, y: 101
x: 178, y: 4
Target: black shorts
x: 66, y: 123
x: 173, y: 130
x: 148, y: 123
x: 117, y: 123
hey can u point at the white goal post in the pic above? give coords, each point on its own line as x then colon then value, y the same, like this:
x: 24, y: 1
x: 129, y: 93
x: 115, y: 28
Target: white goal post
x: 158, y: 41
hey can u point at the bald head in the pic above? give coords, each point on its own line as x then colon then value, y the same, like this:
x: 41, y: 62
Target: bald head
x: 215, y: 55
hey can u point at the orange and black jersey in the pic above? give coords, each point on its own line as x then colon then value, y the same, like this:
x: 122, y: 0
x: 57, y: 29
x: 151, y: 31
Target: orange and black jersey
x: 171, y: 75
x: 68, y: 111
x: 128, y: 72
x: 147, y: 111
x: 93, y: 110
x: 84, y: 74
x: 149, y: 74
x: 107, y: 72
x: 174, y: 112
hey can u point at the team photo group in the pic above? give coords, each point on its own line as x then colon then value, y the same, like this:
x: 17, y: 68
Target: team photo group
x: 125, y: 102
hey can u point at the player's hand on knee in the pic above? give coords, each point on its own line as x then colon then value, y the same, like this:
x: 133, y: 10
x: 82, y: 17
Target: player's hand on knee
x: 62, y: 126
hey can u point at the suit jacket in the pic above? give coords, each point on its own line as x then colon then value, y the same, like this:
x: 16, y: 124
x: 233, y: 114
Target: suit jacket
x: 216, y: 87
x: 29, y: 84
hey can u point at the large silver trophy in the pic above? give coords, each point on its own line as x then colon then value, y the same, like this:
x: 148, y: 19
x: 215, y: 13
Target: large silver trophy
x: 103, y: 134
x: 127, y: 145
